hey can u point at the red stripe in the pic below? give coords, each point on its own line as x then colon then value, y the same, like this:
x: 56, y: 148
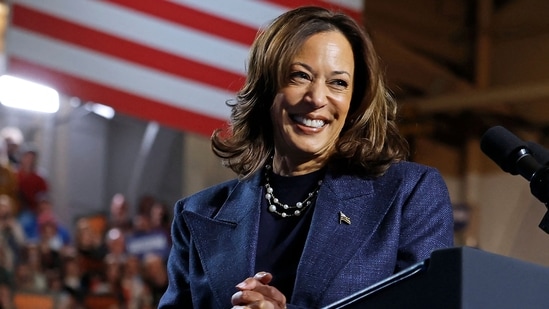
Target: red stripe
x: 356, y: 15
x: 125, y: 49
x: 140, y: 107
x: 190, y: 17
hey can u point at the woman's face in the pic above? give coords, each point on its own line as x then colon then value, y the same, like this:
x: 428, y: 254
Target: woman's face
x: 309, y: 111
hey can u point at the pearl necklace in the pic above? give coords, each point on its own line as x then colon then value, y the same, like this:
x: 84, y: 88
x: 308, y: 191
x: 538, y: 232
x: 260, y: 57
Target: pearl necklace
x: 285, y: 210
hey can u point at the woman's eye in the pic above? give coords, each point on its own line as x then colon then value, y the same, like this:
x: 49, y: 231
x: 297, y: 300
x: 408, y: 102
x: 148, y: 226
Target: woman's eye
x: 340, y: 83
x: 299, y: 75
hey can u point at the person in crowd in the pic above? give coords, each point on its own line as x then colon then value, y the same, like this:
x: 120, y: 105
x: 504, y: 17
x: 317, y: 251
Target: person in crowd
x: 89, y: 246
x: 119, y: 216
x: 145, y: 203
x: 111, y: 280
x: 12, y: 236
x: 136, y: 292
x: 161, y: 218
x: 31, y: 273
x: 115, y: 242
x: 8, y: 177
x: 71, y: 275
x: 325, y: 202
x: 155, y: 276
x: 31, y: 186
x: 6, y: 290
x: 23, y: 278
x: 50, y: 228
x: 13, y: 138
x: 144, y: 239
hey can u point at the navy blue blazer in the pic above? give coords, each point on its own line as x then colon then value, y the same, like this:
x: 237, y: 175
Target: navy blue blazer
x: 397, y: 219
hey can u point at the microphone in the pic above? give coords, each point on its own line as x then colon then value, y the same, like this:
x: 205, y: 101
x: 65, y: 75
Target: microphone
x: 515, y: 156
x: 509, y: 152
x: 539, y: 152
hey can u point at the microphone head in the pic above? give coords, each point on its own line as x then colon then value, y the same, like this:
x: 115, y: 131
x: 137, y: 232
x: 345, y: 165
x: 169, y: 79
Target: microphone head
x: 503, y: 147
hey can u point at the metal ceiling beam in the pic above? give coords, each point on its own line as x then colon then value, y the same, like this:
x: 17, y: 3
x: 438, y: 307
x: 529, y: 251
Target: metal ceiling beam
x: 477, y: 99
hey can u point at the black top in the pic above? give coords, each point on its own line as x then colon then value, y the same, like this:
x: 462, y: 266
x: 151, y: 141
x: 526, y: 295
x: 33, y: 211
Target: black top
x: 281, y: 240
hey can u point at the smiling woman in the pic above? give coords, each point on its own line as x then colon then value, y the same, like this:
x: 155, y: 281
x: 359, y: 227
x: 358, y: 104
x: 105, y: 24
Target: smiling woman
x: 325, y: 203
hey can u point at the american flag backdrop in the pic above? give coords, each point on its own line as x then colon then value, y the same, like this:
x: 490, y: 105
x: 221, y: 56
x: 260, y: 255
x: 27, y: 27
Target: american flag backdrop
x: 175, y: 62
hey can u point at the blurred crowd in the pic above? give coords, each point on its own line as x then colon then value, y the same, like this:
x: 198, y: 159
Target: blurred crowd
x: 115, y: 254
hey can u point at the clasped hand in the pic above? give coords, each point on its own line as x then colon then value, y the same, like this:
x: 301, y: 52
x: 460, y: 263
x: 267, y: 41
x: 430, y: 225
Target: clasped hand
x: 255, y: 292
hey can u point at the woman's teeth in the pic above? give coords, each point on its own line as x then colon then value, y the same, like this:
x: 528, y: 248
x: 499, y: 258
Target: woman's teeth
x: 313, y: 123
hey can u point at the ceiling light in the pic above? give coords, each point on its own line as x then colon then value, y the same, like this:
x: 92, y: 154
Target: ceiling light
x: 100, y: 109
x: 20, y: 93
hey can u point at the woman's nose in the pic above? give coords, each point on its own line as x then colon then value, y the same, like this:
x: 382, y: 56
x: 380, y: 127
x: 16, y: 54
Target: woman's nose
x: 316, y: 94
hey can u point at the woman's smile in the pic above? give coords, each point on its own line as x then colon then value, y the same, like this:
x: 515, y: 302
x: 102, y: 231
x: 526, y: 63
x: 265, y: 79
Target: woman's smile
x: 308, y: 122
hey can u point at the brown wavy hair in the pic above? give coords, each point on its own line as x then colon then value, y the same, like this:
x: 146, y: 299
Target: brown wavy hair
x: 369, y: 141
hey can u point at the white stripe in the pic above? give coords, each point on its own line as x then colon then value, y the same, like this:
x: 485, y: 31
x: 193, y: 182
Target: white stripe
x: 254, y: 14
x: 355, y: 5
x: 147, y: 30
x: 114, y: 73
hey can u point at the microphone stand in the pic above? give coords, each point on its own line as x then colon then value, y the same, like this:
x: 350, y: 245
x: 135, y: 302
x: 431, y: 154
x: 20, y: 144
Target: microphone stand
x: 539, y: 186
x: 544, y: 224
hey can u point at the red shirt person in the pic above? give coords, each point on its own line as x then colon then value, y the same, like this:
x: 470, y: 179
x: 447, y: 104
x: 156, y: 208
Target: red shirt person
x: 32, y: 187
x: 31, y: 184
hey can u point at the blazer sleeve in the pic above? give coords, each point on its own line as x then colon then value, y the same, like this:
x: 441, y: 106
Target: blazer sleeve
x: 427, y: 219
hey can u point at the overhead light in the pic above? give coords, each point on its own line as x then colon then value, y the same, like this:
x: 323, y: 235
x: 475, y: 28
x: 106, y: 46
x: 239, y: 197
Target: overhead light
x: 19, y: 93
x: 100, y: 109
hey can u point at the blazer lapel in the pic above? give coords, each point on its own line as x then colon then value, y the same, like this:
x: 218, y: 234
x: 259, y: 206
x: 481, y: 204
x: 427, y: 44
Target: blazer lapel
x: 232, y: 232
x: 331, y: 242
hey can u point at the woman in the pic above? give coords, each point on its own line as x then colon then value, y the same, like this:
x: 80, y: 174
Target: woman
x: 325, y: 204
